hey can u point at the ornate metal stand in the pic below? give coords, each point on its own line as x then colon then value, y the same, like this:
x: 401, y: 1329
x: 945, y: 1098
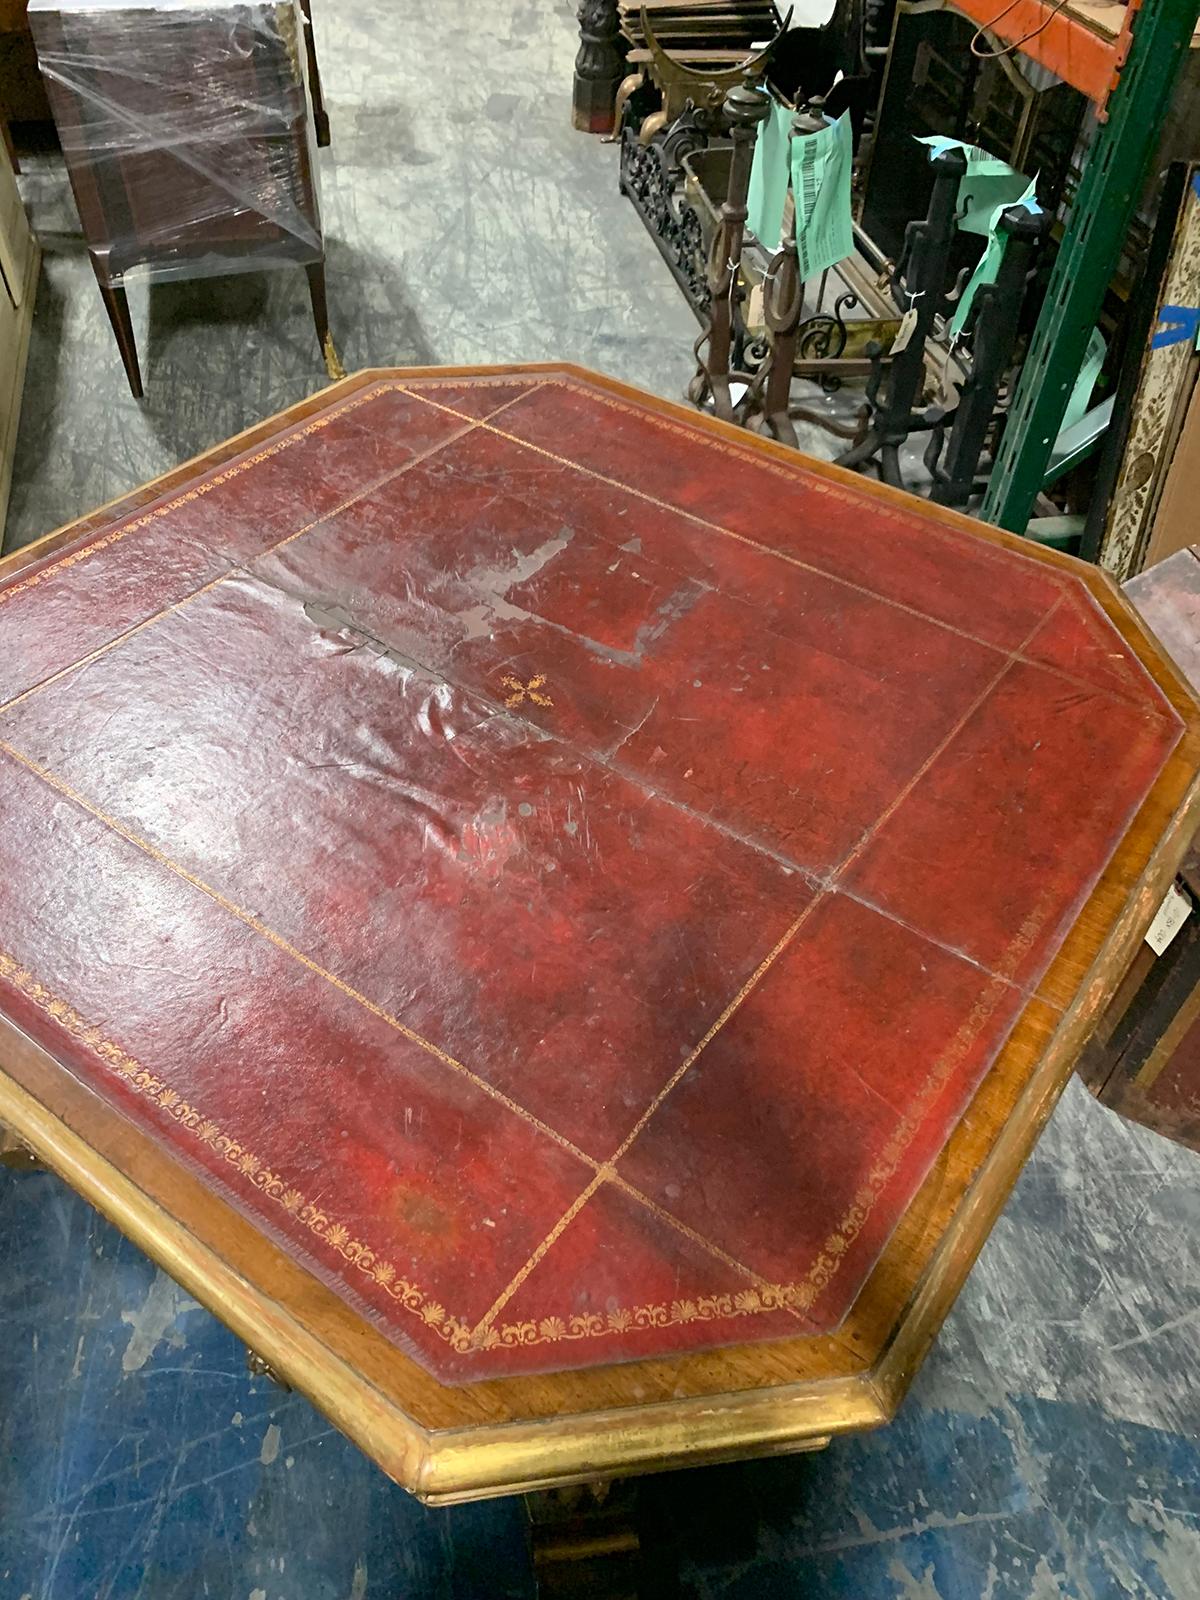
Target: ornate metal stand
x: 920, y: 279
x: 725, y: 336
x: 993, y: 321
x: 599, y: 66
x: 687, y: 89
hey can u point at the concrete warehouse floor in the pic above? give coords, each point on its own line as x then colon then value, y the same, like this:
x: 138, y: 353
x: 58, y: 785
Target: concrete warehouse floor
x: 1050, y: 1447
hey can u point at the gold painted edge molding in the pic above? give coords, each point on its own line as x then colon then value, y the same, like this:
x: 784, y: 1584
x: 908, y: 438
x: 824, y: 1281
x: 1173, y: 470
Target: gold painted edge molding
x: 348, y: 1401
x: 481, y: 1462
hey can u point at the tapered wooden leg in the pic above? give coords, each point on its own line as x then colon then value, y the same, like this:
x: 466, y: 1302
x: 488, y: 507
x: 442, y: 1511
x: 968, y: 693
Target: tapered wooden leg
x: 320, y: 119
x: 320, y: 308
x: 117, y: 307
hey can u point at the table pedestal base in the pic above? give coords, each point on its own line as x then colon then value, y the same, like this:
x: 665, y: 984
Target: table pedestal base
x: 585, y: 1542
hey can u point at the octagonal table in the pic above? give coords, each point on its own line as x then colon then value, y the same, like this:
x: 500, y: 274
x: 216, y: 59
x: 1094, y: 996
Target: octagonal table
x: 558, y: 920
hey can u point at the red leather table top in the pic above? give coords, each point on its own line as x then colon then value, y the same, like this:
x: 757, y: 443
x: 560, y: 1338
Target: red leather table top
x: 561, y: 875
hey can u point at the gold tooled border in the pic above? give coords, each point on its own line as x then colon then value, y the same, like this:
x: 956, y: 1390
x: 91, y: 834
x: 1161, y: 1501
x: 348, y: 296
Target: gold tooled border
x: 457, y: 1331
x: 198, y: 491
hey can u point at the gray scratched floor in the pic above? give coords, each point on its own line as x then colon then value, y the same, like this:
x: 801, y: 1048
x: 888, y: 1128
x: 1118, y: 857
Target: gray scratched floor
x: 465, y: 221
x: 1051, y: 1446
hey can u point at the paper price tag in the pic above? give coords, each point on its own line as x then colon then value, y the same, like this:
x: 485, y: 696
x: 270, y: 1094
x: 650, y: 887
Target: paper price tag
x: 1168, y: 919
x: 907, y: 323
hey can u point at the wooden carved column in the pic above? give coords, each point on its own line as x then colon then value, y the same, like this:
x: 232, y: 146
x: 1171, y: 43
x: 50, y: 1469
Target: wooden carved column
x: 599, y: 66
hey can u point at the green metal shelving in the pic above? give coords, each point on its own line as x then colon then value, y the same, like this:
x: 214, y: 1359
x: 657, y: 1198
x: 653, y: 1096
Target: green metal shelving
x: 1115, y: 171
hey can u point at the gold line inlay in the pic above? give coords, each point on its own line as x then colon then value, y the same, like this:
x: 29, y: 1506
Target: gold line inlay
x: 1053, y: 578
x: 289, y: 949
x: 206, y: 486
x: 759, y: 1298
x: 839, y: 871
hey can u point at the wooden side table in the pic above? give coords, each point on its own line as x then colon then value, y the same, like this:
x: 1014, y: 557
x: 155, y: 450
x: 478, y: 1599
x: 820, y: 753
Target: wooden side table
x: 188, y: 142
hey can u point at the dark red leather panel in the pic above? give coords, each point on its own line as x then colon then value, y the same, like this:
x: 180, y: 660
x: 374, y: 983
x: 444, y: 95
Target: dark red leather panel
x: 559, y: 874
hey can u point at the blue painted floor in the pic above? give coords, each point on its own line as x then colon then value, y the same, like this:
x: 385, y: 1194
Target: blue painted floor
x: 140, y: 1461
x: 1050, y: 1449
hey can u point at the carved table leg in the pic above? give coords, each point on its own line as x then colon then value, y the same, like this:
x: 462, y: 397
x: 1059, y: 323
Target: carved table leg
x: 599, y: 66
x: 17, y: 1155
x: 585, y: 1542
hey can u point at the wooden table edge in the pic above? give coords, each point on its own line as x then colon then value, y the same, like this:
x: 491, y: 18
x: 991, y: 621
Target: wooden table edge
x: 446, y: 1465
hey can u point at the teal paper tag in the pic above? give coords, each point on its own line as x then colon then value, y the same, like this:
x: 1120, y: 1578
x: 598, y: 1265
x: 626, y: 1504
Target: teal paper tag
x: 769, y: 177
x: 987, y: 183
x: 1081, y: 395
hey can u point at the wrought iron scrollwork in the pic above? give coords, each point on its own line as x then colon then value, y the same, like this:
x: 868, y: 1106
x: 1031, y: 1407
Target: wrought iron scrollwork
x: 650, y: 176
x: 823, y: 337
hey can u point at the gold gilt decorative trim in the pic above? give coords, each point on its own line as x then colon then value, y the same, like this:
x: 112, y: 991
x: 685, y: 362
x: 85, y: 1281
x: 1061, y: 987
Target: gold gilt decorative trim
x: 457, y: 1331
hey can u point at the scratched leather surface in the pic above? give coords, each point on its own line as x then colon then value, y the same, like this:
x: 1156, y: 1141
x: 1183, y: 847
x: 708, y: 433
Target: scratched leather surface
x: 560, y: 875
